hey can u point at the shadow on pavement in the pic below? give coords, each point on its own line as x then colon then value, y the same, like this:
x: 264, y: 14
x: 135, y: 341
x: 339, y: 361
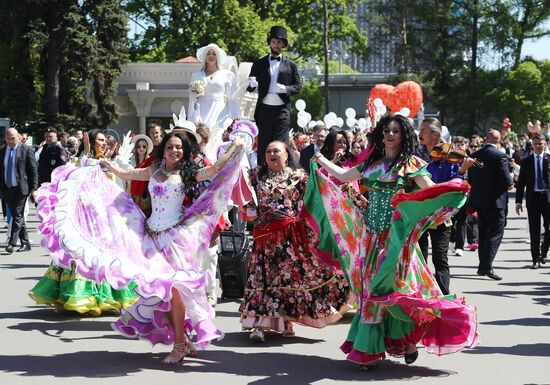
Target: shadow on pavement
x: 521, y: 322
x: 528, y: 350
x: 277, y: 368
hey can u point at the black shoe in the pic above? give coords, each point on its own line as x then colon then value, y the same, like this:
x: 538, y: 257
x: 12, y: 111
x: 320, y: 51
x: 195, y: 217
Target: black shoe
x: 411, y: 357
x: 491, y: 274
x: 25, y: 247
x: 534, y: 266
x: 542, y: 260
x: 9, y: 249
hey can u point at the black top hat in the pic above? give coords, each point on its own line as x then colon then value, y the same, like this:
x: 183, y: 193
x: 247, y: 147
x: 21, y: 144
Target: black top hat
x: 278, y: 32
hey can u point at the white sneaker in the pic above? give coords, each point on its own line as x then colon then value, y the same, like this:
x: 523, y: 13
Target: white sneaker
x: 459, y: 252
x: 257, y: 335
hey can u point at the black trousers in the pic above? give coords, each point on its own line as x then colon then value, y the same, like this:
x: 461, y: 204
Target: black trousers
x: 16, y: 203
x: 491, y: 222
x: 273, y: 124
x: 465, y: 227
x: 440, y: 238
x: 537, y: 207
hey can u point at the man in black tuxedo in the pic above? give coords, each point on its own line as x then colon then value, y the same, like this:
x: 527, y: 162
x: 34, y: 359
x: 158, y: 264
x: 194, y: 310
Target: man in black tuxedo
x: 489, y: 196
x: 320, y: 132
x: 533, y: 177
x: 277, y: 79
x: 19, y: 179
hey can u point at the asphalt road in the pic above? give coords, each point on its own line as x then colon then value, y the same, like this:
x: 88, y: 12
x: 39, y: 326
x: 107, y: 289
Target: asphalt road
x: 38, y: 346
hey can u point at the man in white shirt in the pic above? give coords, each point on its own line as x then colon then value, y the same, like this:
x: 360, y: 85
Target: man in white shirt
x: 277, y: 79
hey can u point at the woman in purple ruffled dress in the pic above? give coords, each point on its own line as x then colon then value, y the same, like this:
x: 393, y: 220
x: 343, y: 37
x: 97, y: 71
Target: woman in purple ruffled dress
x: 161, y: 253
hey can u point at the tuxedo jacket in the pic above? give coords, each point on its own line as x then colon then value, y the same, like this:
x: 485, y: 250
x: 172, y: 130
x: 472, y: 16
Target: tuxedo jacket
x: 305, y: 156
x: 26, y: 171
x: 526, y: 180
x: 490, y: 184
x: 288, y: 76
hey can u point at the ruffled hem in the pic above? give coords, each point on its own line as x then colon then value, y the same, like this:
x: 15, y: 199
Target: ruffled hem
x: 157, y: 329
x: 361, y: 358
x: 277, y: 323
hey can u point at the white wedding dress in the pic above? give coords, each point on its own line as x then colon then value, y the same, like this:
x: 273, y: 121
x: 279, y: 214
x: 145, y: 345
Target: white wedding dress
x: 217, y: 104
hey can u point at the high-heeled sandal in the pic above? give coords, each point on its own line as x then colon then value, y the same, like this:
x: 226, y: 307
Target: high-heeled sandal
x: 178, y: 353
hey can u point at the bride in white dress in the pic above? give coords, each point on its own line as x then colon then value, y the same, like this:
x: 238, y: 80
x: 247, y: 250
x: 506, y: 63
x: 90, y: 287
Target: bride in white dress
x: 212, y: 96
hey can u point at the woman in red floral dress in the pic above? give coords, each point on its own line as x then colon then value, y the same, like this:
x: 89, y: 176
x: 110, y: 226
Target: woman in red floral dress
x: 286, y: 283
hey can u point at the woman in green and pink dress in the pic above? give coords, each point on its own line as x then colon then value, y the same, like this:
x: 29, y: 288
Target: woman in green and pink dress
x: 399, y: 302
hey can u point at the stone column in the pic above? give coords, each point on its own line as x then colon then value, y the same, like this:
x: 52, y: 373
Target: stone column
x: 142, y: 100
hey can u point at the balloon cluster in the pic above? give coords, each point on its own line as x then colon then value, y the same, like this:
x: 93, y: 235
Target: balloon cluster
x: 506, y: 125
x: 533, y: 128
x: 303, y: 117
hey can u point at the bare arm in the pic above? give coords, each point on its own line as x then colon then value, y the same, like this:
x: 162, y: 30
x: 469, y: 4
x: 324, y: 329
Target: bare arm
x: 143, y: 174
x: 207, y: 172
x: 423, y: 181
x: 338, y: 172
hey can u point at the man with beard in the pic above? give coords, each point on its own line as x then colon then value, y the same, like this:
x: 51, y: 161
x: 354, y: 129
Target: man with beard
x: 277, y: 79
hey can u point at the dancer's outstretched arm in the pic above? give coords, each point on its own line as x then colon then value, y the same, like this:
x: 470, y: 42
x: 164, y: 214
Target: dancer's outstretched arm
x: 342, y: 174
x: 206, y: 173
x: 143, y: 174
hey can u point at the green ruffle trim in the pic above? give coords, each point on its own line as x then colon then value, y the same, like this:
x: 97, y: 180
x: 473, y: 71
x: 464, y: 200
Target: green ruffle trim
x: 64, y: 287
x: 369, y: 338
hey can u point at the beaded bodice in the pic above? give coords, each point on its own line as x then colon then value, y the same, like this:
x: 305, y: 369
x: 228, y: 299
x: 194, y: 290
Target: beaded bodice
x: 382, y: 183
x: 167, y: 202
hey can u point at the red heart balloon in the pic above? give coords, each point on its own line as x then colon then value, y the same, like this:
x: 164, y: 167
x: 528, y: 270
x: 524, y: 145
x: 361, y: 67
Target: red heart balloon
x: 407, y: 94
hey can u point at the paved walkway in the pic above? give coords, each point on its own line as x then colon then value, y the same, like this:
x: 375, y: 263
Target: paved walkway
x: 38, y: 346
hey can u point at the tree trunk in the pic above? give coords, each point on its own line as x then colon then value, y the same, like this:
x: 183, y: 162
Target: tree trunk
x: 52, y: 80
x: 325, y: 49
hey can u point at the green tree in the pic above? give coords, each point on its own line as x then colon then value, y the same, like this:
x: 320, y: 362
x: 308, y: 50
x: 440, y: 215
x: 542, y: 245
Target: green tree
x: 526, y: 92
x: 512, y: 22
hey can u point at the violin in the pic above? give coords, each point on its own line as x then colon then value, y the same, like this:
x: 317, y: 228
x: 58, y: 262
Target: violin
x: 445, y: 151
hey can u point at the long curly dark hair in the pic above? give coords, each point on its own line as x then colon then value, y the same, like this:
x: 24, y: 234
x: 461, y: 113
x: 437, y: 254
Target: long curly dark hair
x: 188, y: 168
x: 92, y: 134
x: 328, y: 147
x: 409, y: 141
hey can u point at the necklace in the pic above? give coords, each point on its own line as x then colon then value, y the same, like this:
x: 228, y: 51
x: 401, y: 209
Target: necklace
x: 277, y: 176
x: 167, y: 173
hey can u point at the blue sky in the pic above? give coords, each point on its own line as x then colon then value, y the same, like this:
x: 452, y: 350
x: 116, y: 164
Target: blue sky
x: 539, y: 49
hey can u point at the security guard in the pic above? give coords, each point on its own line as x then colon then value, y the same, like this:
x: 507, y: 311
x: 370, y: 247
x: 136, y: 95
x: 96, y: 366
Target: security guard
x: 52, y: 155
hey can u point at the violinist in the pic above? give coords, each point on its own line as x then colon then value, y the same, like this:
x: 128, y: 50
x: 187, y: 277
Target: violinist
x: 441, y: 170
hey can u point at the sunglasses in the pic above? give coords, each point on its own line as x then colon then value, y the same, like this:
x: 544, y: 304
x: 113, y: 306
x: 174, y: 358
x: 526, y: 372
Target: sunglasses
x: 141, y: 147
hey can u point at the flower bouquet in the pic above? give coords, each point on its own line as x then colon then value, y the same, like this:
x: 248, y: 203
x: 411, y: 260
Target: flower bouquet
x: 197, y: 87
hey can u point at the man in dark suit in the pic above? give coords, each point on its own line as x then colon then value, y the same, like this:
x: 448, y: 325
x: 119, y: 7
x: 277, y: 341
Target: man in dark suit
x: 317, y: 140
x: 534, y: 178
x: 277, y: 79
x: 19, y: 178
x: 489, y: 196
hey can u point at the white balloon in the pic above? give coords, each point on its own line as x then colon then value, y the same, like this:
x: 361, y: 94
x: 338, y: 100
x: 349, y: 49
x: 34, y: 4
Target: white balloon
x: 308, y: 116
x: 362, y: 123
x: 302, y: 114
x: 350, y: 113
x: 404, y: 112
x: 332, y: 115
x: 381, y: 109
x: 302, y: 123
x: 311, y: 124
x: 445, y: 134
x: 369, y: 124
x: 378, y: 102
x: 300, y: 104
x: 350, y: 122
x: 339, y: 122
